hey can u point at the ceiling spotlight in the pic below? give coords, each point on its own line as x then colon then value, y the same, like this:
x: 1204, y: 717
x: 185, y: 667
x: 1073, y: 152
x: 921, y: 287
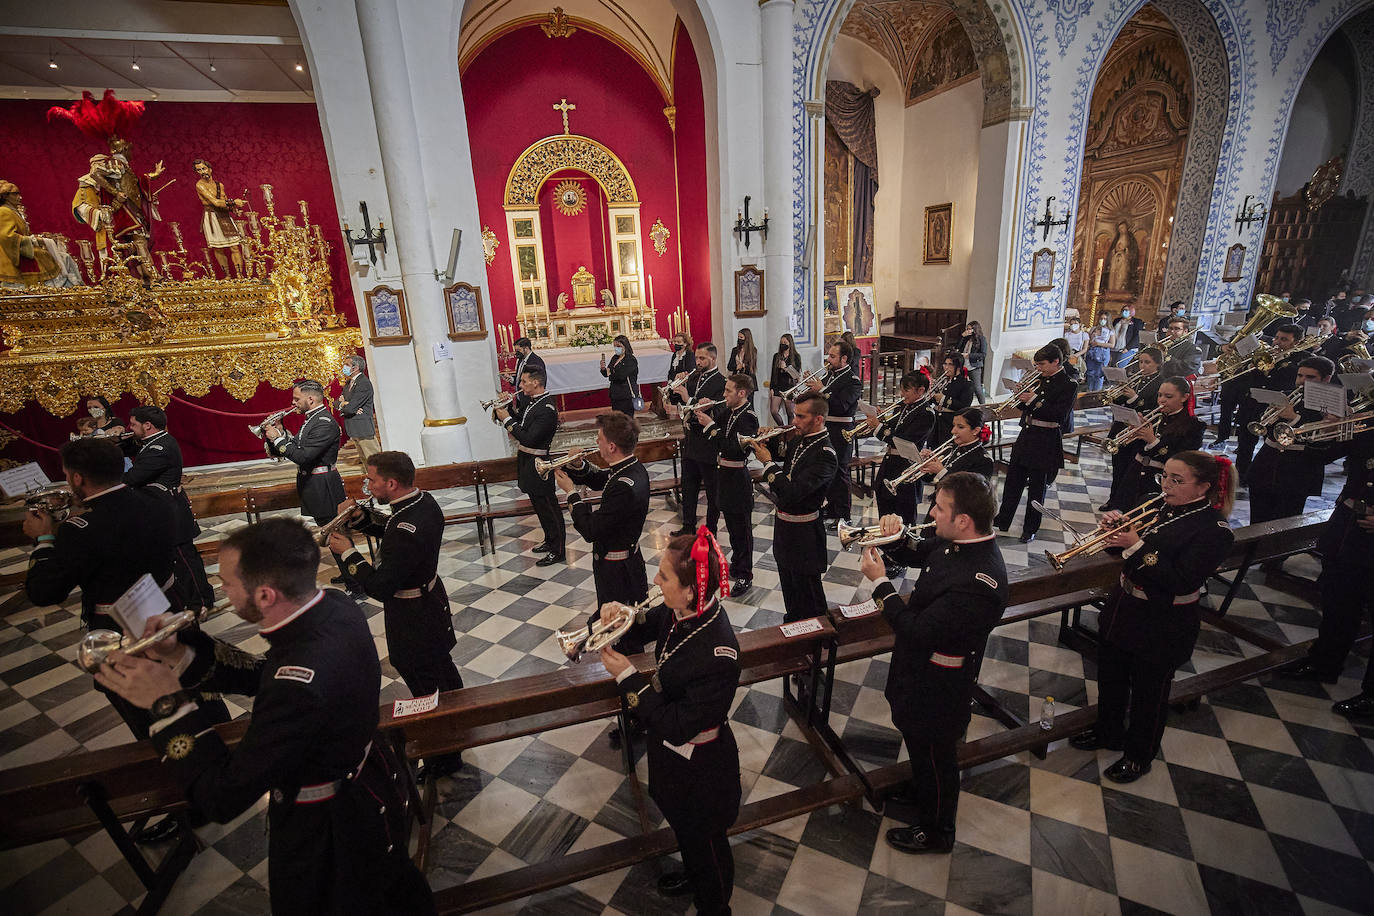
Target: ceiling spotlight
x: 52, y: 63
x: 299, y: 68
x: 212, y: 65
x: 134, y: 65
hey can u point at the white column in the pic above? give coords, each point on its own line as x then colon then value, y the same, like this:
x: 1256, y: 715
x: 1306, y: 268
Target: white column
x: 778, y: 262
x: 385, y: 62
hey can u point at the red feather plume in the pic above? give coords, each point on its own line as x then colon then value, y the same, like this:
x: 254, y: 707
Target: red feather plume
x: 102, y: 120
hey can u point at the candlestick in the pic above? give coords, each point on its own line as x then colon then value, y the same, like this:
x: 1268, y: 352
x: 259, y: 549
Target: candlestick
x: 305, y: 212
x: 267, y: 196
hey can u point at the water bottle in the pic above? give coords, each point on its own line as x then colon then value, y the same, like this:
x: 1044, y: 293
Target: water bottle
x: 1047, y: 714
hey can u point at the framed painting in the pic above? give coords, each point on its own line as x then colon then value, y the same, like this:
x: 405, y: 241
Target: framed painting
x: 749, y: 301
x: 1042, y: 271
x: 386, y: 316
x: 1235, y: 264
x: 858, y: 315
x: 463, y: 303
x: 939, y: 222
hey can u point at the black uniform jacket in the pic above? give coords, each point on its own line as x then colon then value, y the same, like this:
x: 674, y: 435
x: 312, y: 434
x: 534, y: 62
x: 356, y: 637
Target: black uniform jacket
x: 942, y: 628
x: 734, y: 485
x: 617, y: 522
x: 533, y: 361
x: 316, y: 446
x: 1178, y: 432
x: 797, y: 482
x: 1041, y: 447
x: 533, y: 433
x: 958, y: 397
x: 970, y: 458
x: 622, y: 371
x: 843, y: 390
x: 1299, y: 468
x: 707, y: 385
x: 780, y: 379
x: 1283, y: 377
x: 157, y: 465
x: 1357, y: 496
x: 1174, y: 559
x: 1145, y: 400
x: 124, y: 533
x: 912, y: 423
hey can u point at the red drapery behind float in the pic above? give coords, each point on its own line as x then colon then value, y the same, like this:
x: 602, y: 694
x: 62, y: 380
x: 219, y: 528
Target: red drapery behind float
x: 248, y: 145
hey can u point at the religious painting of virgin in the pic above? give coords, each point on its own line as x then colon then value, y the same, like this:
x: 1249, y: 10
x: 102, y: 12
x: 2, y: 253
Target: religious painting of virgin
x: 1042, y: 270
x: 386, y: 316
x: 463, y: 302
x: 749, y: 302
x: 857, y: 313
x: 1235, y: 264
x: 939, y: 223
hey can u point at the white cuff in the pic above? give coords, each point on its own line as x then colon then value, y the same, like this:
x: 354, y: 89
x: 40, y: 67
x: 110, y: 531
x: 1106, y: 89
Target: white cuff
x: 279, y: 440
x: 350, y: 552
x: 184, y: 710
x: 1132, y: 550
x: 186, y: 658
x: 620, y: 678
x: 879, y: 581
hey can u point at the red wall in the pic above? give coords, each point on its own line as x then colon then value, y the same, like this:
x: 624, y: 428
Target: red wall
x: 619, y: 105
x: 249, y: 145
x: 577, y: 241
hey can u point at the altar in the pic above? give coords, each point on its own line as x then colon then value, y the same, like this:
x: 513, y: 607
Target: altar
x: 573, y: 369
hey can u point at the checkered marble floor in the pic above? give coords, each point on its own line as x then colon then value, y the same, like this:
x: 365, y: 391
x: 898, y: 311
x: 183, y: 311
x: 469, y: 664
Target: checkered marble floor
x: 1262, y: 801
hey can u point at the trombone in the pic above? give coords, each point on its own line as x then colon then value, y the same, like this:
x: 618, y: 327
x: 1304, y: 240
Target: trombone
x: 1141, y: 518
x: 1030, y: 382
x: 868, y: 425
x: 872, y: 535
x: 545, y: 468
x: 1339, y: 429
x: 1151, y: 419
x: 913, y: 470
x: 750, y: 441
x: 601, y: 632
x: 1271, y: 413
x: 798, y: 389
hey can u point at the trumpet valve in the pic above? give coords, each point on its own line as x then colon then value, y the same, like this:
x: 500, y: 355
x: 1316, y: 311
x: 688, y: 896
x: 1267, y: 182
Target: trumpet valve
x: 1056, y: 561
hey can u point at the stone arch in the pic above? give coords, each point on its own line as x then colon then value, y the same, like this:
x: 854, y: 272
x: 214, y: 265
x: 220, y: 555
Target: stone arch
x: 569, y: 151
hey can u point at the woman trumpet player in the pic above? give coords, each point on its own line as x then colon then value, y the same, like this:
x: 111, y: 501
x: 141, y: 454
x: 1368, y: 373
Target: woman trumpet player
x: 912, y: 422
x: 966, y: 442
x: 1175, y: 430
x: 1138, y: 393
x: 1150, y: 623
x: 957, y: 396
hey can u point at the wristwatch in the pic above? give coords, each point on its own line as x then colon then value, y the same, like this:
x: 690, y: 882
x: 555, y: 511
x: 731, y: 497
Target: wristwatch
x: 165, y: 706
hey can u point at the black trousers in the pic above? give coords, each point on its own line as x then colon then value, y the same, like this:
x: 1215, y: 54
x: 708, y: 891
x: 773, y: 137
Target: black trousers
x: 1019, y: 479
x: 1345, y: 594
x: 741, y: 528
x: 934, y: 779
x: 550, y: 516
x: 698, y: 476
x: 624, y: 405
x: 837, y: 498
x: 1245, y: 451
x: 424, y: 673
x: 1132, y: 700
x: 349, y: 582
x: 625, y: 581
x: 803, y: 595
x: 1231, y: 396
x: 1267, y: 505
x: 191, y: 582
x: 902, y: 503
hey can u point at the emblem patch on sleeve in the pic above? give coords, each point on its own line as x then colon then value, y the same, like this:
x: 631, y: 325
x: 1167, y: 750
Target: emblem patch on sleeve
x: 180, y: 746
x: 406, y: 526
x: 987, y: 580
x: 77, y: 521
x: 295, y: 673
x: 1150, y: 559
x: 726, y: 652
x: 1224, y: 524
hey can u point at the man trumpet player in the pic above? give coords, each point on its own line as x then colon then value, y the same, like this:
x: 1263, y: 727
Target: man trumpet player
x: 724, y: 424
x: 912, y: 423
x: 415, y: 606
x: 842, y: 390
x: 533, y: 431
x: 698, y: 452
x: 1039, y: 448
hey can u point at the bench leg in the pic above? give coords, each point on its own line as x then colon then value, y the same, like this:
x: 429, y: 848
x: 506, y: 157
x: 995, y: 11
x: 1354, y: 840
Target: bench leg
x: 1237, y: 579
x: 1006, y: 717
x: 1073, y: 635
x: 159, y: 881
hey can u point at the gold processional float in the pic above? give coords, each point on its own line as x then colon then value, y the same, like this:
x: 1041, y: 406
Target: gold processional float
x: 185, y: 330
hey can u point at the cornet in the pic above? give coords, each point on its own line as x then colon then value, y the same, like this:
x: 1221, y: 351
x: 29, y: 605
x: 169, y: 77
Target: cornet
x: 1029, y: 383
x: 55, y: 500
x: 501, y: 400
x: 97, y: 645
x: 799, y: 389
x: 1141, y: 518
x: 674, y: 384
x: 750, y: 441
x: 1271, y: 413
x: 872, y: 536
x: 1151, y: 419
x: 913, y: 471
x: 602, y: 632
x: 866, y: 426
x: 323, y: 532
x: 269, y: 420
x: 545, y: 468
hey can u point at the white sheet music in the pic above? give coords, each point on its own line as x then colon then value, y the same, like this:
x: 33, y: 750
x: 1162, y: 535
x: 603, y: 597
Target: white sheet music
x: 906, y: 448
x: 1265, y: 396
x: 1329, y: 399
x: 23, y: 479
x: 1356, y: 381
x: 1247, y: 345
x: 1115, y: 374
x: 143, y: 601
x: 1125, y: 415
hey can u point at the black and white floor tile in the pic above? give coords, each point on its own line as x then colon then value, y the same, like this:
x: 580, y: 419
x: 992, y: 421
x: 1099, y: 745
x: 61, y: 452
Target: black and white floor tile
x: 1262, y: 801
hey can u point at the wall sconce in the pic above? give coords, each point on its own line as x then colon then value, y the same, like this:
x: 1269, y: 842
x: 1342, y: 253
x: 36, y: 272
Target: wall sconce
x: 1249, y: 213
x: 373, y: 240
x: 1048, y: 222
x: 745, y: 227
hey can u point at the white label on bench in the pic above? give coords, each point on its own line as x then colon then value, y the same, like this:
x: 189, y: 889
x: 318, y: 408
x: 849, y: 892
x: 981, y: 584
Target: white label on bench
x: 800, y: 627
x: 414, y: 707
x: 859, y: 610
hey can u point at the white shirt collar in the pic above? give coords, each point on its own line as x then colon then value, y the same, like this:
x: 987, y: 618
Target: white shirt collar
x: 118, y: 486
x: 407, y: 497
x: 319, y: 594
x: 977, y: 540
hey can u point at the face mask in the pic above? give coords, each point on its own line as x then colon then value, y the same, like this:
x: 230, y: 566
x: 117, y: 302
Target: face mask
x: 1369, y: 325
x: 740, y: 341
x: 97, y: 412
x: 619, y: 351
x: 346, y: 371
x: 673, y: 347
x: 1103, y: 322
x: 1074, y: 326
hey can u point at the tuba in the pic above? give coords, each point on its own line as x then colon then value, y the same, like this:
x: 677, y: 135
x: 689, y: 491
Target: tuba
x: 1268, y: 309
x: 601, y: 633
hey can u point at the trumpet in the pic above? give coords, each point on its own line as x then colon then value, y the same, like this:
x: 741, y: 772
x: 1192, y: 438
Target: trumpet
x: 1029, y: 383
x: 803, y: 383
x: 1151, y: 419
x: 501, y: 400
x: 866, y: 426
x: 545, y: 468
x: 272, y: 419
x: 1340, y: 429
x: 341, y: 520
x: 601, y: 632
x: 1271, y: 413
x: 96, y: 646
x: 872, y: 536
x: 750, y: 441
x: 56, y: 500
x: 941, y: 454
x: 1141, y: 518
x: 1118, y: 391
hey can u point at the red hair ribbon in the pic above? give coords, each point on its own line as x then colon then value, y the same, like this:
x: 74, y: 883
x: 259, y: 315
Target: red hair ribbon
x: 985, y: 434
x: 1224, y: 480
x: 702, y: 549
x: 1190, y: 402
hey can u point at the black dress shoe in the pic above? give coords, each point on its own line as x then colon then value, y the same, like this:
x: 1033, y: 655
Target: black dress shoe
x: 674, y: 884
x: 1304, y: 670
x: 1126, y: 770
x: 356, y: 593
x: 1360, y: 706
x: 740, y: 586
x: 1001, y: 525
x: 1027, y: 537
x: 437, y: 769
x: 918, y: 839
x: 1090, y: 740
x: 1218, y: 444
x: 161, y: 832
x: 551, y: 559
x: 542, y: 548
x: 337, y: 580
x: 683, y: 530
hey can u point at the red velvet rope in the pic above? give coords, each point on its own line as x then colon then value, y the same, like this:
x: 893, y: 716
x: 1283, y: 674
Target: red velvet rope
x: 26, y: 438
x: 223, y: 413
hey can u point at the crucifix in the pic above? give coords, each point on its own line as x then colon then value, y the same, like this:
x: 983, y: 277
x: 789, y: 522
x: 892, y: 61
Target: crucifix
x: 564, y: 107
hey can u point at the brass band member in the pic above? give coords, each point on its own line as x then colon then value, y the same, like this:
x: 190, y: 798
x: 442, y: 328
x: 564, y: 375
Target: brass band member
x: 797, y: 482
x: 699, y: 452
x: 1142, y: 399
x: 1151, y: 621
x: 1281, y: 378
x: 956, y: 398
x: 734, y: 484
x: 1282, y: 477
x: 912, y: 423
x: 614, y: 526
x: 842, y: 390
x: 1185, y: 359
x: 941, y: 631
x: 313, y: 450
x: 1177, y: 431
x: 157, y: 466
x: 533, y: 433
x: 685, y: 708
x: 415, y: 607
x: 338, y: 824
x: 970, y: 435
x: 525, y: 358
x: 1039, y: 448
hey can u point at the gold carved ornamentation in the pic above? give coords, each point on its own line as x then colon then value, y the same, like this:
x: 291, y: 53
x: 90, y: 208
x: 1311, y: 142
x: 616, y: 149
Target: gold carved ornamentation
x: 671, y: 114
x: 659, y: 233
x: 558, y: 25
x: 570, y: 197
x: 489, y: 244
x: 551, y: 154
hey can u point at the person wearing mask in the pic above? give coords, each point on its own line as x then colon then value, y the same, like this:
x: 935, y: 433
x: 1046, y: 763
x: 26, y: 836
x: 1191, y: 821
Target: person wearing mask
x: 1176, y: 309
x: 1125, y: 336
x: 1305, y: 317
x: 723, y: 425
x: 684, y: 356
x: 623, y: 373
x: 354, y: 404
x: 106, y: 425
x: 1099, y: 353
x: 957, y: 396
x: 1076, y: 337
x: 1151, y: 620
x: 1177, y: 431
x: 699, y: 453
x: 973, y: 345
x: 1039, y: 448
x: 786, y: 372
x: 744, y: 358
x: 525, y: 357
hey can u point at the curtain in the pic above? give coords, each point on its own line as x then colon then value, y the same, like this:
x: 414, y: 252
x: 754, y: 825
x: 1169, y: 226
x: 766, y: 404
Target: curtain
x: 849, y: 110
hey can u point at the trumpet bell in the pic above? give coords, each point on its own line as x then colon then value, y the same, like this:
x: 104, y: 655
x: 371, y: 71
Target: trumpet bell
x: 1282, y: 433
x: 96, y: 646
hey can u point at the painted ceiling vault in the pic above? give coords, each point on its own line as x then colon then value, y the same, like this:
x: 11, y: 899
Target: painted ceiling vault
x: 901, y: 31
